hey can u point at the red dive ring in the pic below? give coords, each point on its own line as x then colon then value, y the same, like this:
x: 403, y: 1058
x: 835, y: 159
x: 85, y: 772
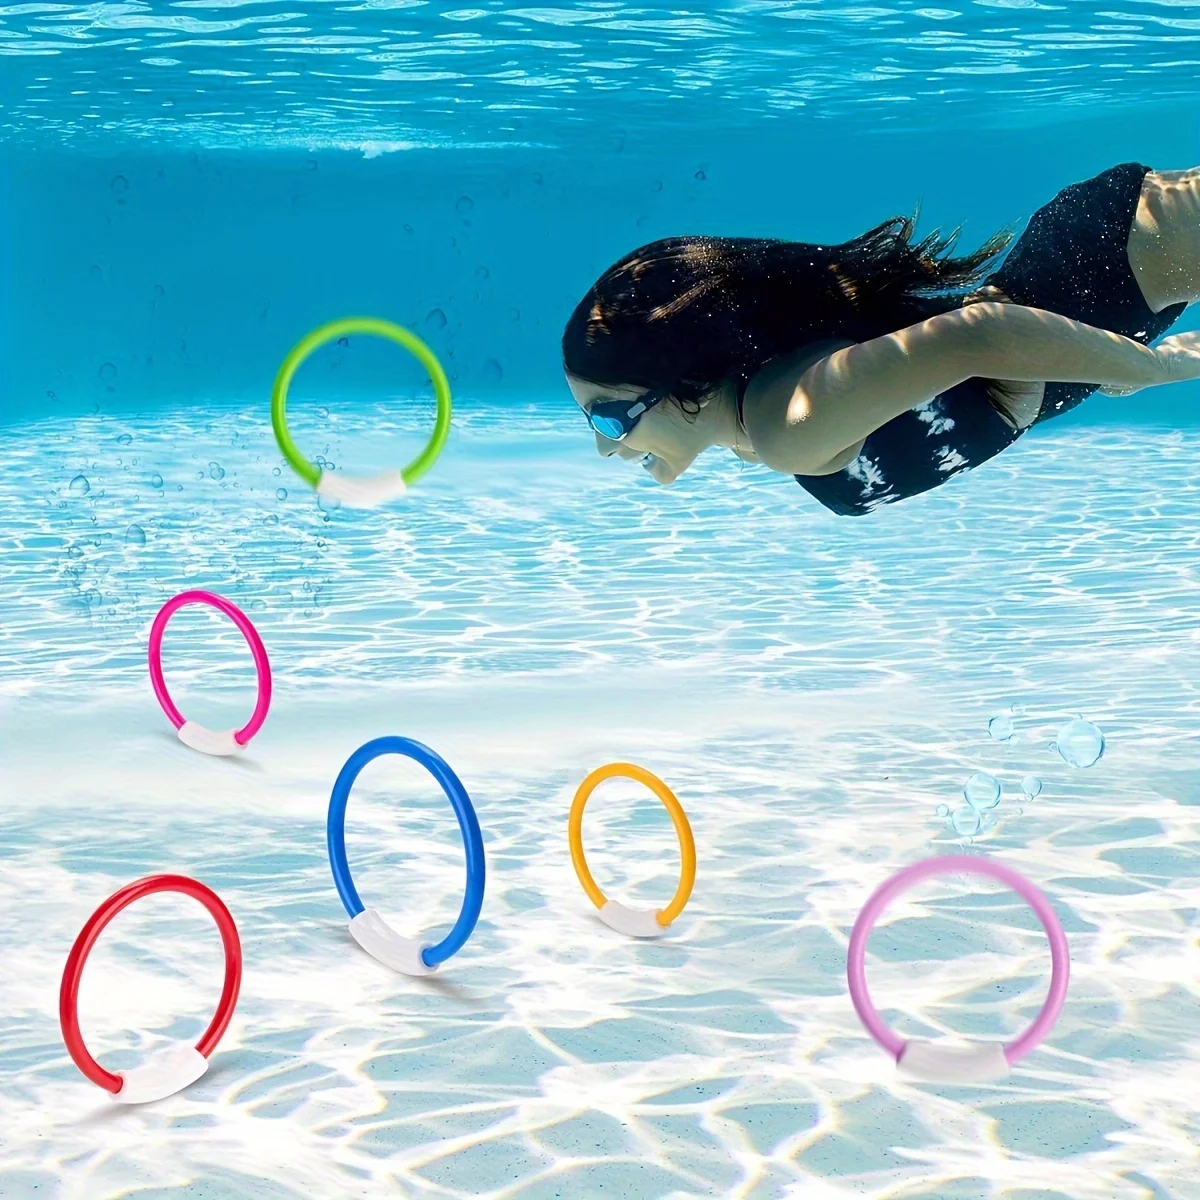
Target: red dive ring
x: 173, y: 1070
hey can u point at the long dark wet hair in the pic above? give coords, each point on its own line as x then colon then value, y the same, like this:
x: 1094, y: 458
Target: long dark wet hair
x: 685, y: 314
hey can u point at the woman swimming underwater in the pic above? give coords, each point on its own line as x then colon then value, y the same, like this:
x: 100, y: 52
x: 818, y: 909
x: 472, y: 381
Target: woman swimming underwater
x: 879, y: 368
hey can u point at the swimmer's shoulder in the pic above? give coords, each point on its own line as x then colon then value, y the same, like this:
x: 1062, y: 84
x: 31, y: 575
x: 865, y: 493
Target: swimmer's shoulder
x: 774, y: 383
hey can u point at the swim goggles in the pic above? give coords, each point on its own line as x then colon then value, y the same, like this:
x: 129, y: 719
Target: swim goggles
x: 616, y: 419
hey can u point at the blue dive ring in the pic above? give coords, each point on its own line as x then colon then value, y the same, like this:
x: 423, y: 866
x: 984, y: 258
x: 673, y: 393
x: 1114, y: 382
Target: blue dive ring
x: 437, y: 766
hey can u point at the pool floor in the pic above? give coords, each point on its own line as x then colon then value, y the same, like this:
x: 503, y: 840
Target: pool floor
x: 812, y: 688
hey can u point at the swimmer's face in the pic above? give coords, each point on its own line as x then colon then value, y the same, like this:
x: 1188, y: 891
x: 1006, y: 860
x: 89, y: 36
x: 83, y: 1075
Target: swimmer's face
x: 664, y: 441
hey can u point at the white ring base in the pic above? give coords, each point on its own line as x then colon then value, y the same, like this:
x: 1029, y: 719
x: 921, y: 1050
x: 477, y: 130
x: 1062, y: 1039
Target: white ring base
x: 209, y: 741
x: 161, y: 1075
x: 385, y: 945
x: 941, y: 1062
x: 636, y: 922
x: 361, y: 492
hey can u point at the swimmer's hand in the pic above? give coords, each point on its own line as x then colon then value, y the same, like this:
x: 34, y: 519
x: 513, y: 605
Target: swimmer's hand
x: 1178, y: 358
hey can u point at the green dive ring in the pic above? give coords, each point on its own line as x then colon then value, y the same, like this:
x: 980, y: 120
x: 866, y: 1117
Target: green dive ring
x: 357, y: 491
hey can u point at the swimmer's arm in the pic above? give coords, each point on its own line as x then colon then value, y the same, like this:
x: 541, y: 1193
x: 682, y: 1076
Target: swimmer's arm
x: 811, y: 421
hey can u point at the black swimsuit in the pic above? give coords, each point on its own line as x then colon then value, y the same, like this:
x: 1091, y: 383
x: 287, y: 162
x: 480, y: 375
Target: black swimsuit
x: 1073, y: 260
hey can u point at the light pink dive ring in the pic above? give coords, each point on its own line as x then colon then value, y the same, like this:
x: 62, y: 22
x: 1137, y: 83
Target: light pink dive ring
x: 935, y: 1061
x: 210, y: 741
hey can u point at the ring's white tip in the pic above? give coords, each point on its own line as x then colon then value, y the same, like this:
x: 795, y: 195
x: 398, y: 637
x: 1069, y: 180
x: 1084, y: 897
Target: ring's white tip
x: 162, y: 1075
x: 358, y: 492
x: 383, y: 943
x: 938, y: 1062
x: 209, y: 741
x: 636, y: 922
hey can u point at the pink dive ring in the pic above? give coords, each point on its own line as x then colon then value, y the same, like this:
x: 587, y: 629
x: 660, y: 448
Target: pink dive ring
x: 934, y: 1061
x: 210, y: 741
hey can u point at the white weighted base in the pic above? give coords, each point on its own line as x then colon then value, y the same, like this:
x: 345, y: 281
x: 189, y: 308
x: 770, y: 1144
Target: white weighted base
x: 636, y: 922
x: 937, y: 1062
x: 358, y: 492
x: 161, y: 1075
x: 209, y: 741
x: 383, y: 943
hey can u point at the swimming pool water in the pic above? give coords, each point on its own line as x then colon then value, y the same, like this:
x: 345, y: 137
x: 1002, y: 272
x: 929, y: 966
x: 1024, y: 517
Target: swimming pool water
x: 185, y: 189
x: 811, y: 688
x: 394, y: 75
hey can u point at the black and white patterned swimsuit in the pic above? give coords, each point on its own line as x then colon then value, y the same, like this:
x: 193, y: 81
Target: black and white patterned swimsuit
x: 1072, y: 259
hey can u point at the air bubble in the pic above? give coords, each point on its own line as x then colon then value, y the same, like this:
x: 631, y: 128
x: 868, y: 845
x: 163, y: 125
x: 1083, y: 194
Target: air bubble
x: 1031, y: 785
x: 982, y: 791
x: 281, y: 493
x: 135, y: 535
x: 942, y: 810
x: 79, y: 486
x: 216, y: 470
x: 966, y: 821
x: 436, y: 318
x: 156, y: 480
x: 1080, y: 743
x: 1001, y: 727
x: 464, y: 206
x: 126, y: 439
